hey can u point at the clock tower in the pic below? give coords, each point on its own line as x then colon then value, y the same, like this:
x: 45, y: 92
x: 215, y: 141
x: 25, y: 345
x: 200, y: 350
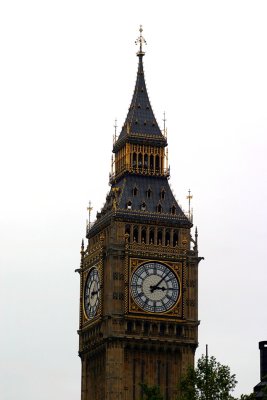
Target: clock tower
x: 139, y: 270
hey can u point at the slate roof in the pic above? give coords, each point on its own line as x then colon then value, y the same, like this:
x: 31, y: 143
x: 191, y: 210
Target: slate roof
x: 141, y: 185
x: 134, y: 188
x: 140, y: 120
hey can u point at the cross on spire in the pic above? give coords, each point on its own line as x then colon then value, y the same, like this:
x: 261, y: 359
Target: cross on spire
x: 141, y: 40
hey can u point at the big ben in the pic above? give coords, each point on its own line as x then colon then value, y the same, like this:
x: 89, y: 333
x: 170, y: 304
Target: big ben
x: 139, y: 270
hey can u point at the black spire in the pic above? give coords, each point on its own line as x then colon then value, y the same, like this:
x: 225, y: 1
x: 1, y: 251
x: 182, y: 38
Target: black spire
x: 140, y: 121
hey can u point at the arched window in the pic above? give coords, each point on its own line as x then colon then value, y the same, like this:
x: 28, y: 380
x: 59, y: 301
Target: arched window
x: 173, y: 209
x: 129, y: 205
x: 127, y: 229
x: 151, y: 163
x: 175, y: 238
x: 159, y: 236
x: 162, y: 194
x: 143, y: 235
x: 149, y: 193
x: 151, y: 235
x: 134, y: 160
x: 167, y: 237
x: 135, y: 234
x: 139, y: 160
x: 157, y: 163
x: 159, y: 208
x: 135, y: 191
x: 146, y: 161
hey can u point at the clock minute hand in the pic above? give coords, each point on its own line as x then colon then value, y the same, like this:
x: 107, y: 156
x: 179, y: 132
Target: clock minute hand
x: 152, y: 288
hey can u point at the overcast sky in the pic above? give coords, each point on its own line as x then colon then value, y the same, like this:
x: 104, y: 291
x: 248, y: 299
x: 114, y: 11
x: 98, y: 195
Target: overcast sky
x: 67, y: 70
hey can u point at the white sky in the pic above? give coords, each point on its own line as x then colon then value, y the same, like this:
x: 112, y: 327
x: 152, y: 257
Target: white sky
x: 67, y: 70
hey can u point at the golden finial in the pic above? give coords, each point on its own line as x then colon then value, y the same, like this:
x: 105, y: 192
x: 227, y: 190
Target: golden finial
x: 89, y: 209
x: 141, y: 41
x: 189, y: 197
x: 115, y: 133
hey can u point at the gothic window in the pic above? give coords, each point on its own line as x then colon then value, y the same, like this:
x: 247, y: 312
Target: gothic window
x: 162, y: 194
x: 151, y: 235
x: 129, y: 205
x: 167, y: 238
x: 134, y: 160
x: 146, y: 161
x: 173, y: 210
x: 139, y: 160
x: 160, y: 236
x: 159, y: 208
x: 175, y: 237
x: 148, y: 193
x: 143, y: 235
x: 127, y: 229
x: 157, y: 163
x: 135, y: 234
x: 135, y: 191
x: 151, y: 162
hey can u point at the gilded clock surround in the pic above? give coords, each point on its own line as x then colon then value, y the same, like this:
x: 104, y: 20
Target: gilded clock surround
x: 86, y: 277
x: 176, y: 310
x: 140, y: 222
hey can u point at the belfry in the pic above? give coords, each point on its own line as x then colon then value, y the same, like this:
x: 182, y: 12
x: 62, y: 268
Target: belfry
x: 139, y: 270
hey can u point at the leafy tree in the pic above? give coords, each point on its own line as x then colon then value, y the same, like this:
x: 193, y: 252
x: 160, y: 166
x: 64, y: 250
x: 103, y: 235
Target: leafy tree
x: 250, y: 396
x: 151, y: 392
x: 210, y: 380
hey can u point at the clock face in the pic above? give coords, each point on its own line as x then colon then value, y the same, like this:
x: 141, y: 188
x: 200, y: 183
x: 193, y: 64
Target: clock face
x: 155, y: 287
x: 92, y: 293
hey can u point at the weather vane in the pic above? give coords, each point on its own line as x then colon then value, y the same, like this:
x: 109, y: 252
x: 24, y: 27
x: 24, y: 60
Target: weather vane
x: 141, y: 41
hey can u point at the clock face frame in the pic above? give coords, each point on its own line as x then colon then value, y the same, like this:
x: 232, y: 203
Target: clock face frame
x: 155, y: 287
x: 91, y: 293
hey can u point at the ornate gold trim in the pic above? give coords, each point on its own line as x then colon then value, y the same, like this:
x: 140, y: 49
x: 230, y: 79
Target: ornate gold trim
x: 176, y: 267
x: 99, y: 268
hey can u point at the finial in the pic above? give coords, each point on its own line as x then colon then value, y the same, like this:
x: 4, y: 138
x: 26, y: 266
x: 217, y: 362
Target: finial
x: 89, y: 209
x: 189, y: 197
x: 164, y: 121
x: 115, y: 133
x: 164, y: 125
x: 196, y: 240
x: 141, y: 41
x: 82, y: 256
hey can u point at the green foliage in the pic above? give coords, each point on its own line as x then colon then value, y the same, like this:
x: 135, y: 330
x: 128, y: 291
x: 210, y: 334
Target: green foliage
x: 210, y: 380
x: 151, y: 392
x: 250, y: 396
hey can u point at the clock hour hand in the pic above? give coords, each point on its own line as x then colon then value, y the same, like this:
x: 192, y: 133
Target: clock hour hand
x: 164, y: 288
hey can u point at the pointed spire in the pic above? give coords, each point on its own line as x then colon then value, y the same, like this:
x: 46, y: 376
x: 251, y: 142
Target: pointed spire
x: 140, y: 120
